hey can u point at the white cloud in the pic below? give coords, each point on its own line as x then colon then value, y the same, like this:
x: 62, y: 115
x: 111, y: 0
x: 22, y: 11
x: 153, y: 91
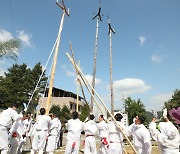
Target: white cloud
x: 127, y: 87
x: 5, y: 35
x: 70, y: 72
x: 63, y: 66
x: 89, y: 79
x: 142, y: 40
x: 157, y: 101
x: 155, y: 58
x: 25, y: 38
x: 130, y: 86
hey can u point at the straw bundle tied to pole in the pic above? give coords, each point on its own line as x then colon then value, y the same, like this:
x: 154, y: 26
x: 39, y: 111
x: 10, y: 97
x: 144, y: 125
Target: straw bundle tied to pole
x: 88, y: 84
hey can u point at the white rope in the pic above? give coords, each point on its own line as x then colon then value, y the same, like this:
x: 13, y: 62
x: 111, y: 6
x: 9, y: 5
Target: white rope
x: 47, y: 80
x: 41, y: 75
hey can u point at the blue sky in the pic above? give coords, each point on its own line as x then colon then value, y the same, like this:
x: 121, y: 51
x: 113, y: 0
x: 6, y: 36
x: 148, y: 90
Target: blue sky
x: 145, y: 47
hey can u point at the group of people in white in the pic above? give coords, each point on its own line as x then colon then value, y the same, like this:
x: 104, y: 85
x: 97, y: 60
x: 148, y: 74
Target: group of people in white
x: 16, y: 128
x: 112, y: 135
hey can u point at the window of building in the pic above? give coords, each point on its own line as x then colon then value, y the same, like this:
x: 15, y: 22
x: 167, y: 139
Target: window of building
x: 71, y: 106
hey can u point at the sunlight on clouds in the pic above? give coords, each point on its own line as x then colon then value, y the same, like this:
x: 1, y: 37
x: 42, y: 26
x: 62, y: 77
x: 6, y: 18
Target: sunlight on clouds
x: 70, y: 72
x: 130, y: 86
x: 155, y: 58
x: 25, y: 38
x: 125, y: 88
x: 89, y: 79
x: 142, y: 40
x: 158, y: 100
x: 5, y: 35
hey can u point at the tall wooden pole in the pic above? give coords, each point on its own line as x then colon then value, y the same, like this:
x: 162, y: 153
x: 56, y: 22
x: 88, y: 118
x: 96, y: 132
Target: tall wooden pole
x: 94, y: 65
x: 110, y: 59
x: 54, y: 64
x: 77, y: 103
x: 78, y: 74
x: 111, y: 83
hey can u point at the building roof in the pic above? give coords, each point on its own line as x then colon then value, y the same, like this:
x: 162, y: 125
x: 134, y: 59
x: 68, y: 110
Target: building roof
x: 56, y: 92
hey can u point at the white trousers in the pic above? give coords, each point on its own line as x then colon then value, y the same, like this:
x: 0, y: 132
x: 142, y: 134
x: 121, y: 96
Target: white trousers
x: 4, y: 140
x: 103, y: 149
x: 90, y: 145
x: 51, y: 143
x: 39, y: 140
x: 115, y: 148
x: 70, y: 149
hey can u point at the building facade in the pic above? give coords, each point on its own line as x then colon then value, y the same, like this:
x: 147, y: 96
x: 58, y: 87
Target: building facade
x: 61, y: 97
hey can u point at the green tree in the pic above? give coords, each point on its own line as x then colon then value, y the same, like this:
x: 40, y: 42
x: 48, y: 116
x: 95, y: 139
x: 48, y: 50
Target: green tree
x: 34, y: 77
x: 65, y: 114
x: 18, y: 85
x: 85, y: 112
x: 174, y: 102
x: 55, y: 109
x: 9, y: 49
x: 133, y: 108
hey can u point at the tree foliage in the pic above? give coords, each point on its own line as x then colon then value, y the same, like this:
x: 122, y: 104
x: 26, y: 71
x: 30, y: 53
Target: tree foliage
x: 9, y: 49
x: 62, y: 113
x: 85, y: 112
x: 18, y: 85
x: 133, y: 108
x: 174, y: 102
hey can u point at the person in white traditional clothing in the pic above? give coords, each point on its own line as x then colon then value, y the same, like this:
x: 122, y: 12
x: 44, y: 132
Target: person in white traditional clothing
x: 17, y: 135
x: 74, y: 127
x: 28, y: 122
x: 168, y: 137
x: 28, y: 125
x: 103, y: 134
x: 59, y: 133
x: 115, y: 135
x: 91, y: 130
x: 141, y: 136
x: 53, y: 134
x: 7, y: 117
x: 41, y: 128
